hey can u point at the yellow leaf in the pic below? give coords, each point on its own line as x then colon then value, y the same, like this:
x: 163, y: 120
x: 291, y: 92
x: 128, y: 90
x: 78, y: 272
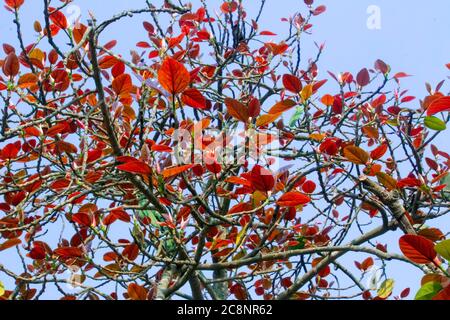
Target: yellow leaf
x: 239, y: 255
x: 2, y: 289
x: 317, y: 136
x: 307, y: 92
x: 258, y: 198
x: 356, y: 155
x: 36, y: 54
x: 241, y: 234
x: 267, y: 119
x: 387, y: 181
x: 386, y: 288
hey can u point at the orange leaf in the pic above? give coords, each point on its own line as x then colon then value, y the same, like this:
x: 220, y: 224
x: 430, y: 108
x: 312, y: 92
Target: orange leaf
x: 170, y: 172
x: 27, y: 81
x: 137, y: 292
x: 282, y: 106
x: 327, y: 100
x: 237, y: 110
x: 356, y: 155
x: 173, y: 76
x: 371, y: 132
x: 107, y: 62
x: 238, y: 180
x: 122, y: 85
x: 10, y: 243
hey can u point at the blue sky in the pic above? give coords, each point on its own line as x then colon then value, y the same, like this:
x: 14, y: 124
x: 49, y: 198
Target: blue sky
x: 413, y: 37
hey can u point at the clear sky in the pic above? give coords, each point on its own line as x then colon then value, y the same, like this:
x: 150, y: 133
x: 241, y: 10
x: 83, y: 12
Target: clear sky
x: 412, y: 36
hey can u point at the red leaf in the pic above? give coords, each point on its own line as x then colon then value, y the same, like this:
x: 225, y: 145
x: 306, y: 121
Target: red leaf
x: 94, y: 155
x: 262, y: 179
x: 37, y: 253
x: 363, y: 77
x: 69, y: 252
x: 379, y: 152
x: 319, y: 10
x: 405, y: 293
x: 143, y: 44
x: 439, y: 105
x: 60, y: 184
x: 56, y: 129
x: 82, y: 218
x: 417, y: 248
x: 366, y: 264
x: 409, y: 182
x: 121, y: 215
x: 408, y: 99
x: 138, y: 167
x: 400, y: 75
x: 309, y: 186
x: 10, y: 151
x: 229, y: 7
x: 14, y: 4
x: 444, y: 294
x: 173, y: 76
x: 194, y: 98
x: 237, y: 110
x: 267, y: 33
x: 58, y: 18
x: 11, y: 65
x: 381, y: 66
x: 212, y: 165
x: 293, y: 199
x: 161, y: 148
x: 292, y: 83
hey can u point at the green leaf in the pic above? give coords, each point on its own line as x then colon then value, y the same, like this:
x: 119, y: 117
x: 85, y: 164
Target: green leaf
x: 446, y: 191
x: 443, y: 248
x: 435, y: 123
x: 301, y: 244
x: 297, y: 115
x: 428, y: 291
x: 2, y: 289
x: 386, y: 288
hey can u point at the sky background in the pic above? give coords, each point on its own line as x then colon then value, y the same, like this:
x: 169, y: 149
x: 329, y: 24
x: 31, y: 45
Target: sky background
x: 413, y: 37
